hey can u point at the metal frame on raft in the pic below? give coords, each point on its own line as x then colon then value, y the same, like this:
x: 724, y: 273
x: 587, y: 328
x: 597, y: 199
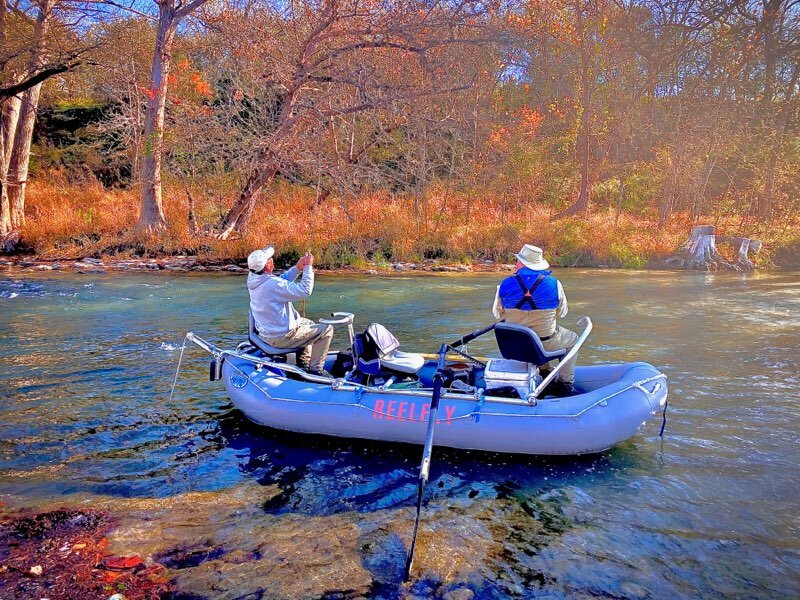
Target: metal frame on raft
x: 344, y: 384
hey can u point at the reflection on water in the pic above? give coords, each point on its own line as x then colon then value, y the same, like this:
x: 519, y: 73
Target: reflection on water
x: 86, y: 363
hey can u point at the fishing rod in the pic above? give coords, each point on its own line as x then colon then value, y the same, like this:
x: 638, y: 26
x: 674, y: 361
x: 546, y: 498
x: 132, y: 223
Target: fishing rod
x: 311, y: 227
x: 438, y: 382
x: 466, y: 339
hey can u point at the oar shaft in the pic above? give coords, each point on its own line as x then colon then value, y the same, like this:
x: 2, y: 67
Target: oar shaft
x: 438, y: 378
x: 438, y: 382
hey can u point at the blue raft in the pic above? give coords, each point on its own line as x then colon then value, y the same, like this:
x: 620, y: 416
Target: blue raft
x: 500, y: 405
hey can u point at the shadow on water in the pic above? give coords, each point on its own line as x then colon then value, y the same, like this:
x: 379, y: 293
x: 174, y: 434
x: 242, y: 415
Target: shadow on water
x: 510, y: 507
x: 323, y: 475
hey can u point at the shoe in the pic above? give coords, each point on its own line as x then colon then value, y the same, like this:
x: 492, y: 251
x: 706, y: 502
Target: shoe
x: 559, y: 389
x: 322, y: 373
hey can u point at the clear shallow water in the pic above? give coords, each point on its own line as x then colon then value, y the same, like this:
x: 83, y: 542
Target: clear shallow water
x: 86, y: 364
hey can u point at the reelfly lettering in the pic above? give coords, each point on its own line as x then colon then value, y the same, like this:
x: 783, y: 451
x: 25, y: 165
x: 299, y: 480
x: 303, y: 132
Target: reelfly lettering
x: 395, y: 410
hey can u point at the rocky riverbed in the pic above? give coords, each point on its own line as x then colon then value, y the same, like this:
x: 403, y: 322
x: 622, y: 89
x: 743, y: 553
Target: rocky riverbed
x: 224, y: 545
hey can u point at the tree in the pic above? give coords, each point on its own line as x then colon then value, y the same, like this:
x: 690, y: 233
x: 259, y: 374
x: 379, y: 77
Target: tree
x: 170, y: 15
x: 323, y: 65
x: 33, y: 48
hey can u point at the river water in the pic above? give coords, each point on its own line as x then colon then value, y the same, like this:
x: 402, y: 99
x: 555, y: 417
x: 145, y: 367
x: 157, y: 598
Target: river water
x: 712, y: 510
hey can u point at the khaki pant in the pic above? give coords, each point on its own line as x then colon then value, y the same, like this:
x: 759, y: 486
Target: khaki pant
x: 542, y: 322
x: 563, y: 339
x: 316, y: 337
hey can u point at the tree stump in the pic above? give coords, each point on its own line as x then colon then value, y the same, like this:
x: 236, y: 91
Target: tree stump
x: 699, y: 252
x: 9, y: 241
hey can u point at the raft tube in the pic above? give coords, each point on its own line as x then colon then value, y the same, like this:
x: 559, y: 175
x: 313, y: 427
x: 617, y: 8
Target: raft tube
x: 617, y: 400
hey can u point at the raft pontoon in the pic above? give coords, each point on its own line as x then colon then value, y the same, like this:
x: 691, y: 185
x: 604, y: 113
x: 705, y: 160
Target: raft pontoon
x: 502, y: 404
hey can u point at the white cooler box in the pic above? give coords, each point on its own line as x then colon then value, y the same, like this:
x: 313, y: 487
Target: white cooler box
x: 503, y: 372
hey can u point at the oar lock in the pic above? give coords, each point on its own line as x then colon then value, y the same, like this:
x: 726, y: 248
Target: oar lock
x: 215, y: 367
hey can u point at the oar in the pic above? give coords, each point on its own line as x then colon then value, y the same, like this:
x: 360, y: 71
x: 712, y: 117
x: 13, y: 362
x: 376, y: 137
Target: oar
x: 438, y: 380
x: 466, y: 339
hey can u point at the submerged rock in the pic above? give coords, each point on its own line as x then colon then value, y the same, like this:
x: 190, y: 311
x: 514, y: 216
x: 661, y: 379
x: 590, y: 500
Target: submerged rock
x: 226, y: 544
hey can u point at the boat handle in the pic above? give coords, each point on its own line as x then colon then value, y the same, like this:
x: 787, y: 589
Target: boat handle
x: 342, y: 318
x: 652, y: 392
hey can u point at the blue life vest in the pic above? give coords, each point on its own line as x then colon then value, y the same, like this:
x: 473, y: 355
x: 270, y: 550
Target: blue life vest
x: 529, y: 290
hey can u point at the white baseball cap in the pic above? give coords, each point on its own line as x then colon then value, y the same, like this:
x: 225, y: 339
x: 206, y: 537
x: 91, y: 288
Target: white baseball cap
x: 258, y: 259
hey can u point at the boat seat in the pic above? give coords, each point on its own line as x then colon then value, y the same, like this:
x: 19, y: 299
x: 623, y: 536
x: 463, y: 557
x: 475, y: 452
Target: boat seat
x: 518, y: 342
x: 259, y: 343
x: 393, y: 363
x: 403, y: 362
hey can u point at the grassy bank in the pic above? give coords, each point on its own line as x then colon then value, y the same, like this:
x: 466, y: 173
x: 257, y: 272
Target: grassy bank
x: 69, y: 221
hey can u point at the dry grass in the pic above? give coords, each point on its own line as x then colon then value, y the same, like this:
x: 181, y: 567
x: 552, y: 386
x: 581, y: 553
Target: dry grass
x: 74, y: 221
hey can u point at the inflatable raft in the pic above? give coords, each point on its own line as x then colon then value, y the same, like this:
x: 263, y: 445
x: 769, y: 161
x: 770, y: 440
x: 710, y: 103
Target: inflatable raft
x: 499, y: 404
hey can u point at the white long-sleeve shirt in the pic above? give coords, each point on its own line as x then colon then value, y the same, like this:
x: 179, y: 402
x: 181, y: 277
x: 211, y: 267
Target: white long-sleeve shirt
x: 271, y: 299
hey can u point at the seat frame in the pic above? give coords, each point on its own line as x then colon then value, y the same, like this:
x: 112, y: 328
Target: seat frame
x: 374, y: 368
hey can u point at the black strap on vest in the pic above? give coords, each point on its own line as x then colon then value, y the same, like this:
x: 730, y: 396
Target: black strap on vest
x: 527, y: 294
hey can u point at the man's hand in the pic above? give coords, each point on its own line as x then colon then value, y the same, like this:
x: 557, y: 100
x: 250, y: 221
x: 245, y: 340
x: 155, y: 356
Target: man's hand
x: 304, y: 261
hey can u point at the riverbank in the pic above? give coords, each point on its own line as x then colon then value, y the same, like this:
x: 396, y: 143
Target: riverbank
x: 186, y: 264
x: 90, y: 228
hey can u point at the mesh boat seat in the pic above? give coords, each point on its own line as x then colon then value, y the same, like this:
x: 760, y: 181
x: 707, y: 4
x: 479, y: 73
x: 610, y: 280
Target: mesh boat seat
x: 517, y: 342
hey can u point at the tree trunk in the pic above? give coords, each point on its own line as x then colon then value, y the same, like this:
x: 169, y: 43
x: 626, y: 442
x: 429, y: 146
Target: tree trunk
x: 581, y: 205
x: 770, y: 23
x: 17, y: 176
x: 5, y: 210
x: 242, y: 209
x: 151, y: 215
x: 9, y: 116
x: 744, y: 245
x: 765, y: 199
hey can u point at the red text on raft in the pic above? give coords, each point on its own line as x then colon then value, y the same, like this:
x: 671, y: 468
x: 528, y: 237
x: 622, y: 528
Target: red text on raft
x: 400, y: 410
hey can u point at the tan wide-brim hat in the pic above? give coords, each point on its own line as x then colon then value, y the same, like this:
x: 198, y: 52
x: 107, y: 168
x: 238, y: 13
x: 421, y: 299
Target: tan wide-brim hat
x: 533, y: 258
x: 258, y: 259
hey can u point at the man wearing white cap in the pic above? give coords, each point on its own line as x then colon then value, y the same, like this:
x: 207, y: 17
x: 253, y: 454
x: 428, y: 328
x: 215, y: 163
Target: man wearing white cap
x: 277, y: 321
x: 534, y: 298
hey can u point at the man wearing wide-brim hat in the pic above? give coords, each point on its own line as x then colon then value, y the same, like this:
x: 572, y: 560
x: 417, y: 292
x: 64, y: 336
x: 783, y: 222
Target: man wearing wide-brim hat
x: 535, y: 298
x: 277, y: 321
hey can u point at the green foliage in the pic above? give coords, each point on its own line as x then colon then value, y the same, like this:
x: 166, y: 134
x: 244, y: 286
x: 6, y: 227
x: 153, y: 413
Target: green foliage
x: 69, y: 137
x: 620, y: 255
x: 87, y: 214
x: 356, y: 252
x: 287, y: 256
